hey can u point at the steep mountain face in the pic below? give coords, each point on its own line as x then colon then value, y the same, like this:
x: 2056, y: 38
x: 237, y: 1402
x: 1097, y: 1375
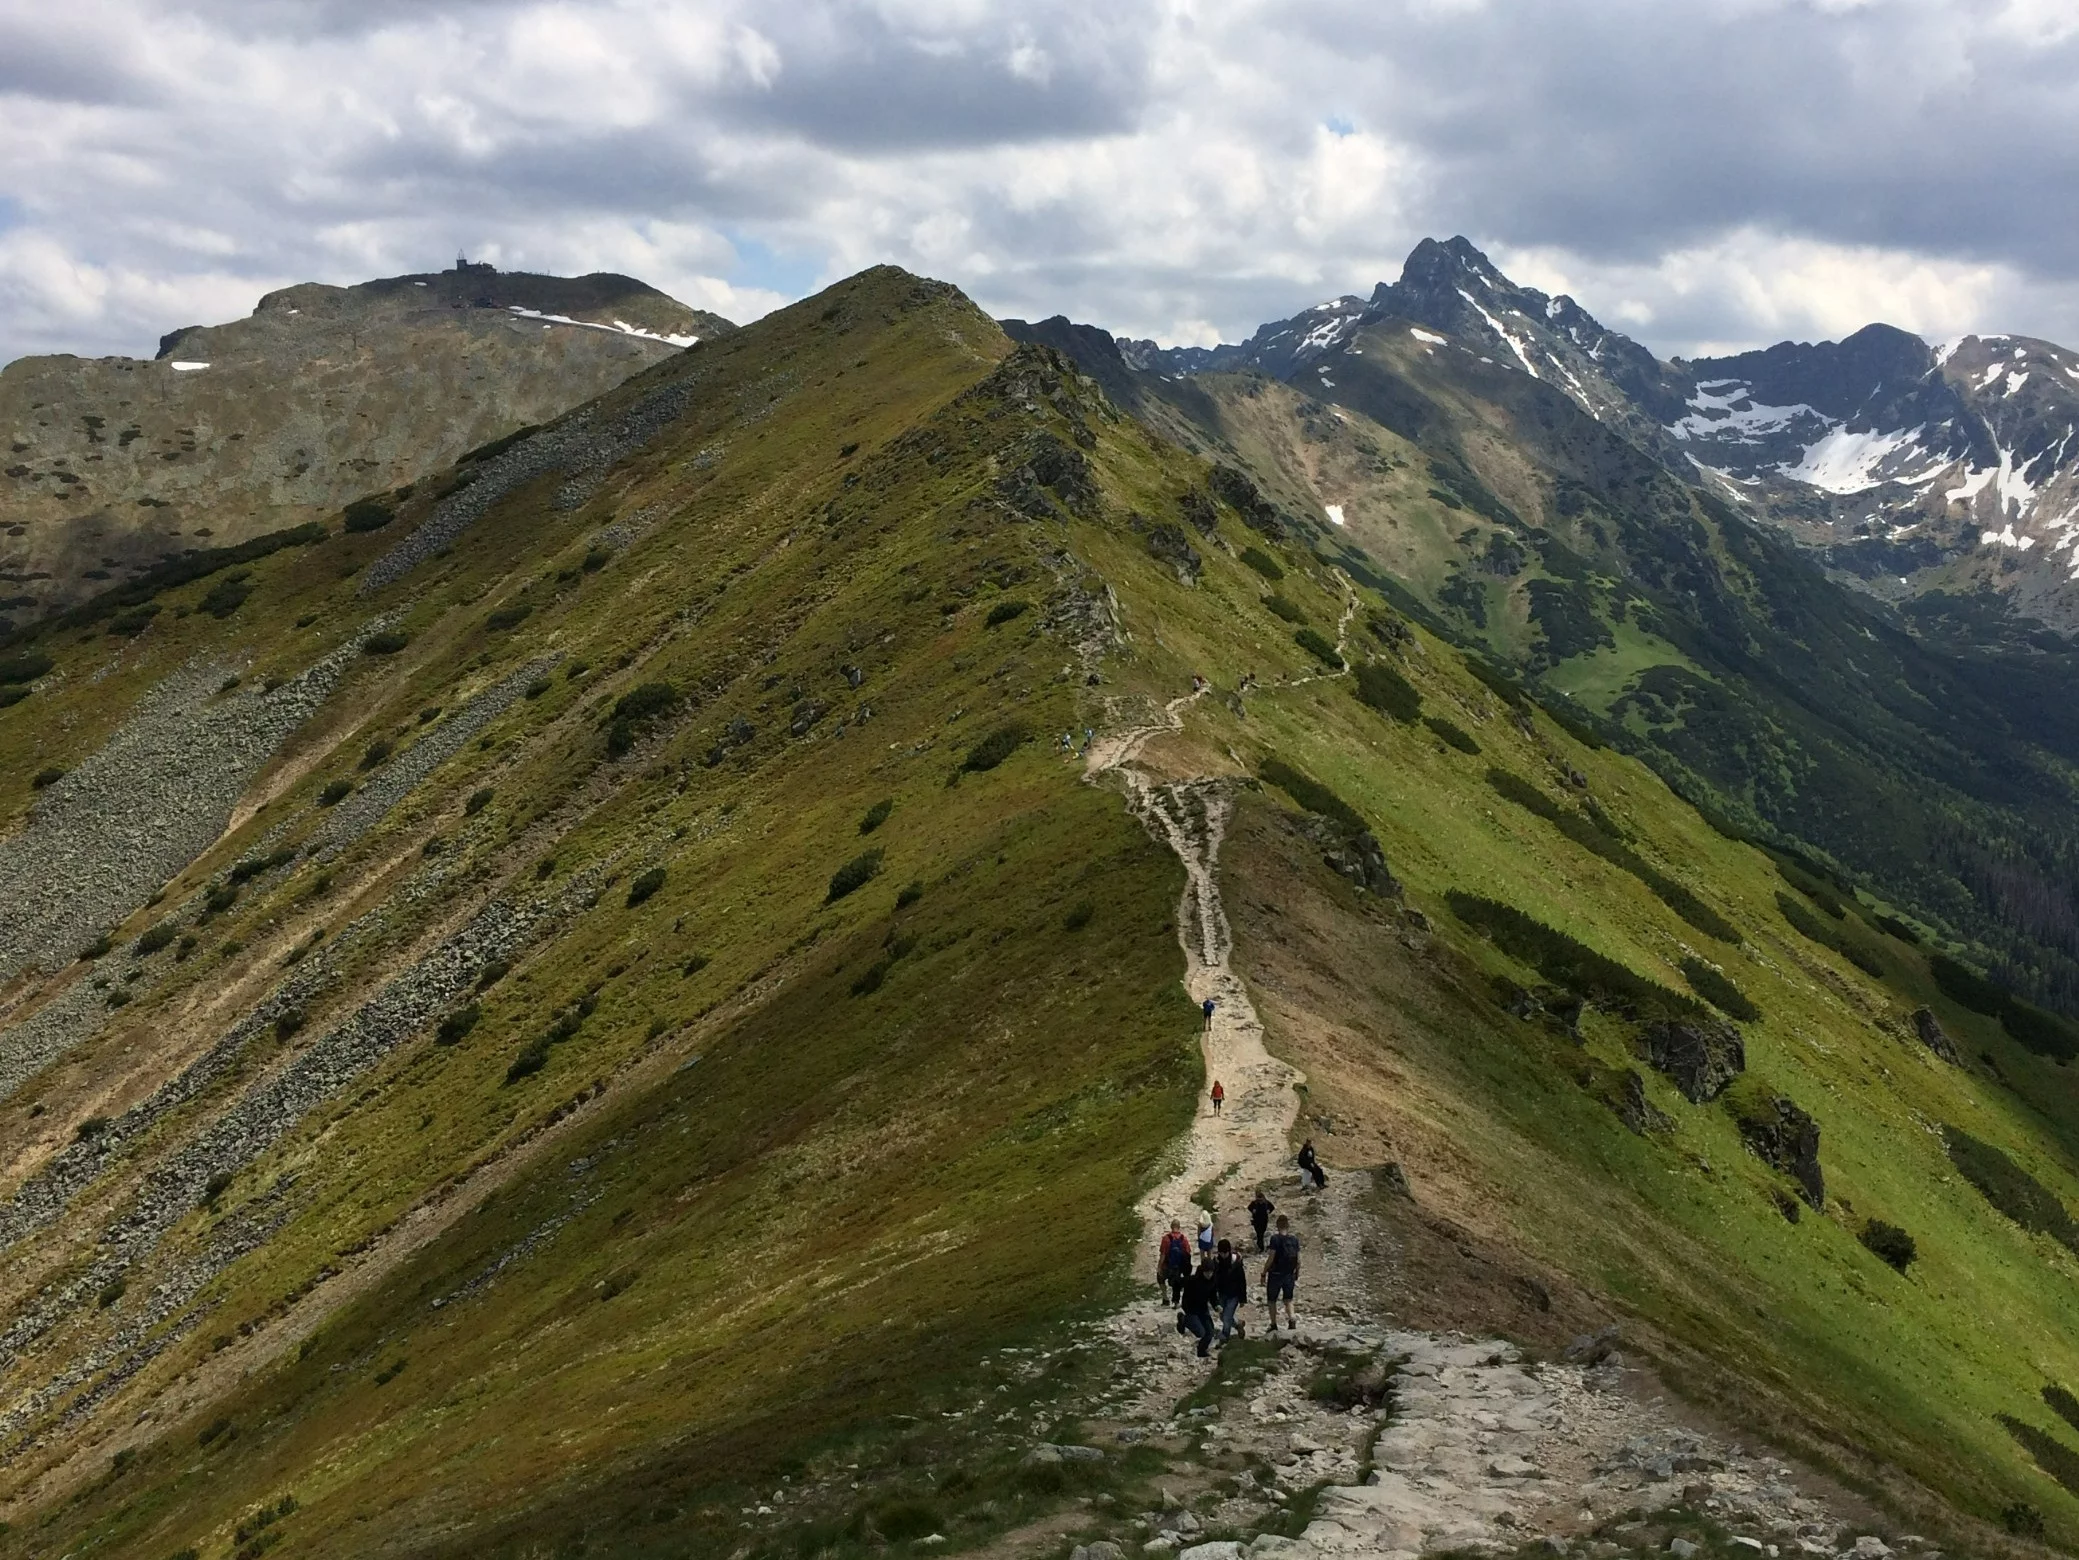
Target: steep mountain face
x: 650, y: 1004
x: 322, y: 395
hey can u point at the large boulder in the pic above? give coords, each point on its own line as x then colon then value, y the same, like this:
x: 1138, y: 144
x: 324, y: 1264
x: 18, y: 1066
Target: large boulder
x: 1782, y: 1135
x: 1935, y: 1037
x: 1702, y: 1055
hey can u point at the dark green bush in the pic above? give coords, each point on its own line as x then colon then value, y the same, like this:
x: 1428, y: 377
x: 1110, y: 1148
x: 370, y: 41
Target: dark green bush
x: 910, y: 893
x: 595, y: 559
x: 388, y: 642
x: 693, y: 966
x: 479, y: 799
x: 1811, y: 886
x: 1078, y: 916
x: 130, y: 623
x: 1263, y: 563
x: 1498, y: 682
x: 11, y: 696
x: 368, y: 514
x: 154, y: 938
x: 1898, y: 929
x: 993, y: 749
x: 1386, y: 691
x: 455, y: 1028
x: 2039, y: 1031
x: 1452, y: 736
x: 508, y: 617
x: 870, y: 979
x: 24, y: 666
x: 1828, y: 936
x: 2062, y: 1404
x: 98, y: 948
x: 333, y: 792
x: 376, y: 751
x: 214, y: 1189
x: 45, y: 778
x: 1567, y: 963
x: 876, y: 815
x: 1280, y: 607
x: 491, y: 974
x: 1889, y: 1244
x: 227, y: 595
x: 903, y: 1520
x: 1718, y: 990
x: 92, y: 1127
x: 500, y: 445
x: 287, y: 1023
x: 644, y: 886
x: 646, y: 701
x: 2051, y: 1455
x: 1005, y: 611
x: 1315, y: 645
x: 1309, y: 792
x: 2011, y: 1189
x: 537, y: 688
x: 530, y: 1061
x: 853, y: 876
x: 112, y: 1292
x: 2021, y: 1519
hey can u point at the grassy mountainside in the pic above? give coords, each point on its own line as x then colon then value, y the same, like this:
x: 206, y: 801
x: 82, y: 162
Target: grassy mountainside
x: 321, y: 395
x: 567, y: 1111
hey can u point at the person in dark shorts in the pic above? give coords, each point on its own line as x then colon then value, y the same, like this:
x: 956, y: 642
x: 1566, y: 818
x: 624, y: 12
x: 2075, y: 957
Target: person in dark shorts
x: 1195, y: 1307
x: 1173, y: 1262
x: 1281, y: 1274
x: 1260, y: 1210
x: 1231, y: 1288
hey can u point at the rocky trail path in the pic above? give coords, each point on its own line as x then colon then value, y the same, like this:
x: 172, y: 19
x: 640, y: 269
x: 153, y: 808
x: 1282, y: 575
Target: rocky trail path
x: 1438, y: 1442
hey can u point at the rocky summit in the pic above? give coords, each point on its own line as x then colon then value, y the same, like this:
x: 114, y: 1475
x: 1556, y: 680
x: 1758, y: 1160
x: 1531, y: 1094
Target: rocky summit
x: 648, y: 976
x: 321, y: 396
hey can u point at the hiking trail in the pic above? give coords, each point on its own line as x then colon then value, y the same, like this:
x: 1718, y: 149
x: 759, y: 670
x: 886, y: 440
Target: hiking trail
x: 1473, y: 1446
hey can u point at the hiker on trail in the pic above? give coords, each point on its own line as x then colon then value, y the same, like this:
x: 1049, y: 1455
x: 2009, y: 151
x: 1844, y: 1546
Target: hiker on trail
x: 1195, y: 1308
x: 1260, y: 1210
x: 1205, y: 1235
x: 1173, y: 1262
x: 1206, y: 1007
x: 1231, y: 1286
x: 1219, y: 1096
x: 1281, y: 1273
x: 1310, y: 1166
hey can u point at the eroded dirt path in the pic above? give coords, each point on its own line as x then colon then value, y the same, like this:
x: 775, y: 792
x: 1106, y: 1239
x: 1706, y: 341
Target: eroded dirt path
x: 1459, y: 1442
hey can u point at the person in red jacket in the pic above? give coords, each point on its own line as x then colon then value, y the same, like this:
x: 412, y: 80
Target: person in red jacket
x: 1219, y: 1096
x: 1173, y: 1263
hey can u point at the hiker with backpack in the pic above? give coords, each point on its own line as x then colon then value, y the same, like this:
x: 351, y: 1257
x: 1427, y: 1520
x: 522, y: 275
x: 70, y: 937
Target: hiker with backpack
x: 1173, y: 1262
x: 1281, y: 1274
x: 1195, y: 1307
x: 1206, y: 1007
x: 1231, y: 1287
x: 1260, y: 1210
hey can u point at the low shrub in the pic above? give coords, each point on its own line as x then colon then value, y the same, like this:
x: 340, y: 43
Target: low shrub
x: 1311, y: 641
x: 853, y: 876
x: 154, y: 938
x: 646, y: 701
x: 876, y: 815
x: 993, y: 749
x: 129, y: 624
x: 1812, y: 888
x: 1897, y: 928
x: 1567, y: 963
x: 479, y: 799
x: 491, y: 974
x: 1827, y: 936
x: 111, y: 1292
x: 215, y: 1187
x: 227, y: 595
x: 2011, y: 1189
x: 288, y: 1023
x: 693, y: 966
x: 1279, y: 606
x: 1889, y: 1244
x: 1006, y: 611
x: 537, y: 688
x: 334, y: 792
x: 529, y: 1062
x: 1263, y: 563
x: 2021, y: 1519
x: 45, y: 778
x: 2051, y: 1455
x: 1385, y: 690
x: 1452, y: 736
x: 368, y: 514
x: 92, y: 1127
x: 508, y: 617
x: 1498, y: 682
x: 595, y: 559
x: 376, y: 751
x: 96, y: 949
x: 645, y: 885
x: 499, y: 445
x: 1078, y: 916
x: 1309, y: 792
x: 455, y: 1027
x: 388, y: 642
x: 24, y: 666
x: 2062, y: 1404
x: 908, y: 895
x: 1716, y: 988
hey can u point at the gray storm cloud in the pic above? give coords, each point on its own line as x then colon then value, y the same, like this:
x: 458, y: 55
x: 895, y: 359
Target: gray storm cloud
x: 1718, y: 173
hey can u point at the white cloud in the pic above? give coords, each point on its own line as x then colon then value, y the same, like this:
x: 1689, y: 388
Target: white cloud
x: 1718, y: 173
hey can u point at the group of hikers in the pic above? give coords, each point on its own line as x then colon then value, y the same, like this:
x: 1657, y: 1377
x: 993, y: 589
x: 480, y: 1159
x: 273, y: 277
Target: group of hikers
x: 1221, y: 1279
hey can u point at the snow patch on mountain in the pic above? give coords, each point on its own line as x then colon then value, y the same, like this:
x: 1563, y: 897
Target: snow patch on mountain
x: 1852, y: 462
x: 618, y: 327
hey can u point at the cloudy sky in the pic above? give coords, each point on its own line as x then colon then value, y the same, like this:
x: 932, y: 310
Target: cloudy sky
x: 1702, y: 173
